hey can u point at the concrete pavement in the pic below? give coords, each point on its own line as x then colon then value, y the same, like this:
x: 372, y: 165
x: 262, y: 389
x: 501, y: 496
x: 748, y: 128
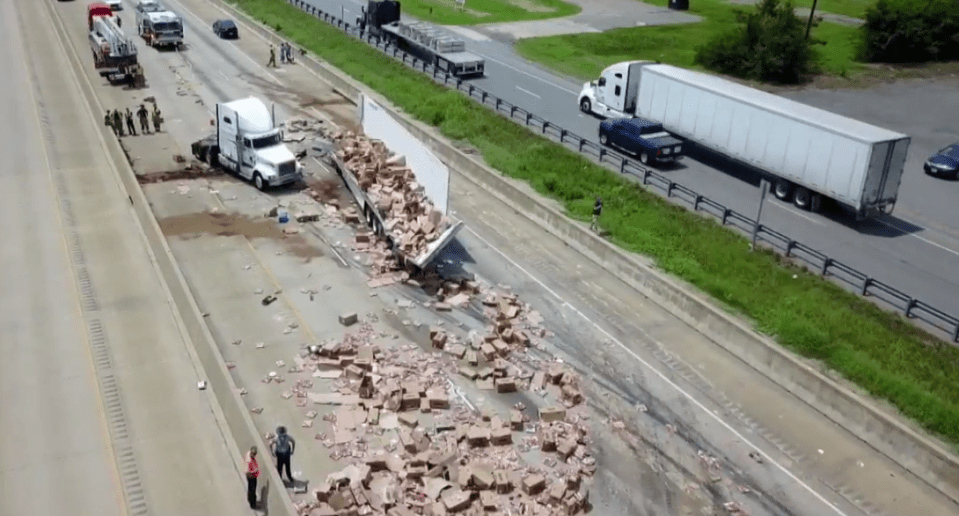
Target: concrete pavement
x: 101, y: 412
x: 600, y: 325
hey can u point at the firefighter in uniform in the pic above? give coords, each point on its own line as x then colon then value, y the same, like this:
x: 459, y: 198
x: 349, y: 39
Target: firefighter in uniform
x: 117, y: 122
x: 272, y: 62
x: 131, y: 128
x: 156, y: 118
x: 144, y: 123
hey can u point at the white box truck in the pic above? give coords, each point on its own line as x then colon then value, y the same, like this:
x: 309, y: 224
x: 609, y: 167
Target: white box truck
x: 808, y: 151
x: 248, y: 143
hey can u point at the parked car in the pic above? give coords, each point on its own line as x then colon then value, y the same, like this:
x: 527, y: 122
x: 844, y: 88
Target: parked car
x: 115, y: 5
x: 644, y: 138
x: 944, y: 163
x: 225, y: 29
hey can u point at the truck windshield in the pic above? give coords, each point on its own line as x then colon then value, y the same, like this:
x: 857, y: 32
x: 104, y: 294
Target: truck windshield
x: 266, y: 141
x: 166, y: 26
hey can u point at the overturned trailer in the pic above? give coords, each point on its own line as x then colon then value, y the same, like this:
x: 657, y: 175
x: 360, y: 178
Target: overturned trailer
x: 404, y: 197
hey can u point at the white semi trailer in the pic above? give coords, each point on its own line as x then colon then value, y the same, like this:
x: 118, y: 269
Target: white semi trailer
x: 808, y: 152
x: 248, y: 143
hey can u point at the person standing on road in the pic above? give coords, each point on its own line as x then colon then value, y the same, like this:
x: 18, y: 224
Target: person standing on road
x: 283, y: 448
x: 597, y: 211
x: 144, y: 123
x: 117, y: 122
x: 108, y: 121
x: 272, y: 62
x: 131, y: 128
x: 156, y: 118
x: 283, y: 53
x: 252, y: 473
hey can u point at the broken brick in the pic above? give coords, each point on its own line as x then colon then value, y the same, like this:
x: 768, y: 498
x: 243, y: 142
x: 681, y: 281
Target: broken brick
x: 516, y: 420
x: 349, y: 319
x: 478, y: 436
x: 501, y: 436
x: 408, y: 418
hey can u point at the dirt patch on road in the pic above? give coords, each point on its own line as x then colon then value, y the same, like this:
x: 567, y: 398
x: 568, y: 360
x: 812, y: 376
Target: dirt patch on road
x: 178, y: 175
x: 195, y: 225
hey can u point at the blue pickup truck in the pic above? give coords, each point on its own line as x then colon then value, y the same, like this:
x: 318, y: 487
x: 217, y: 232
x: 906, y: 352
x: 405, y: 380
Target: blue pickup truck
x: 640, y: 137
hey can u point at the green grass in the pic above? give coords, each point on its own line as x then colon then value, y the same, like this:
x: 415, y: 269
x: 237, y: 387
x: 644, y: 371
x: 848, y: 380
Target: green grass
x: 876, y: 349
x: 447, y: 12
x: 851, y: 8
x: 585, y: 55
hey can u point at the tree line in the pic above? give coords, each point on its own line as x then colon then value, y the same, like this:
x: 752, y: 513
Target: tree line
x: 771, y: 43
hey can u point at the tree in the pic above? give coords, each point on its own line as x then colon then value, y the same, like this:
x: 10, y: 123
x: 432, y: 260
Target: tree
x: 911, y: 31
x: 770, y: 45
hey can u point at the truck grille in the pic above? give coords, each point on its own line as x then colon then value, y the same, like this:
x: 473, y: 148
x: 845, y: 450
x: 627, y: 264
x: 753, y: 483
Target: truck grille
x: 287, y: 168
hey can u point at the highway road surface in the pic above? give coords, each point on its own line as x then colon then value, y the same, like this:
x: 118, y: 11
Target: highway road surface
x: 99, y: 408
x: 916, y: 249
x: 675, y: 390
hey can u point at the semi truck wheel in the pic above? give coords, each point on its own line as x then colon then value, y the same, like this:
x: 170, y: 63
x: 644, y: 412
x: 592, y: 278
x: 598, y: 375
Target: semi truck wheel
x: 782, y: 189
x: 802, y: 198
x: 644, y: 158
x: 603, y: 138
x: 586, y: 106
x: 259, y: 182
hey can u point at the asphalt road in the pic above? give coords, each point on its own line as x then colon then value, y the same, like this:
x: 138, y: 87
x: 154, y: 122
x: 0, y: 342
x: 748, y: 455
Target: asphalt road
x: 100, y: 408
x: 696, y: 397
x: 915, y: 250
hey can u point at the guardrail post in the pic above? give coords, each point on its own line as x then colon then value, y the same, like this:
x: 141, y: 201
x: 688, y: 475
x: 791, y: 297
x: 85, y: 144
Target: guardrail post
x: 470, y: 90
x: 562, y: 135
x: 912, y: 304
x: 725, y: 215
x: 669, y: 189
x: 622, y: 165
x: 602, y: 152
x: 825, y: 266
x: 699, y: 199
x: 581, y: 142
x: 529, y: 117
x: 865, y: 286
x: 955, y: 334
x: 484, y: 97
x: 545, y: 125
x: 498, y: 102
x: 646, y: 174
x: 512, y: 111
x: 789, y: 247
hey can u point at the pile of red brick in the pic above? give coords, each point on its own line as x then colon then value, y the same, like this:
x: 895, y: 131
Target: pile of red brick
x: 391, y: 185
x: 412, y: 450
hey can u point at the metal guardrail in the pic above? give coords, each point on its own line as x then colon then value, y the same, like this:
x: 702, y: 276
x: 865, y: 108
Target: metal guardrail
x: 857, y: 281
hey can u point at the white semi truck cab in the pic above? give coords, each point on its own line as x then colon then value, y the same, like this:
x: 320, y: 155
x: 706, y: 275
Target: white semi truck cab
x: 614, y: 94
x: 248, y: 143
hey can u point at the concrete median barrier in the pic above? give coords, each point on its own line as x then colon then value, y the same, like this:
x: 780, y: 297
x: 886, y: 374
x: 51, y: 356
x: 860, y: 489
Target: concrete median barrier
x: 235, y: 415
x: 923, y: 456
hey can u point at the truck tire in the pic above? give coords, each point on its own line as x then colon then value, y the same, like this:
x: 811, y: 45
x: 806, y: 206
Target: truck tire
x: 585, y: 105
x: 782, y: 189
x: 802, y: 198
x: 258, y: 182
x: 644, y: 158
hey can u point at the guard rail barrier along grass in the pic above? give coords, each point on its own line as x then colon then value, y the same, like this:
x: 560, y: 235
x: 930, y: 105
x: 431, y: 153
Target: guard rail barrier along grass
x: 878, y: 350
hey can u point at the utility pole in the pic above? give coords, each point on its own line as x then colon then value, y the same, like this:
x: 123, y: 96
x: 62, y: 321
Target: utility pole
x: 812, y: 12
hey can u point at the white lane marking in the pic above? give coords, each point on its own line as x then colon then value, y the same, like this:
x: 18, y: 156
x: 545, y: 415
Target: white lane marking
x: 789, y: 209
x: 515, y: 69
x: 924, y: 239
x: 238, y: 49
x: 528, y: 92
x: 649, y: 366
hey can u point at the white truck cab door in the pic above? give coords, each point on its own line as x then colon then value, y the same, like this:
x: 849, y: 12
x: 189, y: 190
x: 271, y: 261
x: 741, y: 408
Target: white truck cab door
x: 615, y: 89
x: 246, y: 158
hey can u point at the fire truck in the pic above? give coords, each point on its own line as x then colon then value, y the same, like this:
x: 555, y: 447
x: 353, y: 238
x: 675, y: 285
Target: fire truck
x: 114, y: 54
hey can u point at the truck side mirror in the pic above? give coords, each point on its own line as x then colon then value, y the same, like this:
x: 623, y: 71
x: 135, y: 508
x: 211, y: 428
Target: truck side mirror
x: 602, y: 81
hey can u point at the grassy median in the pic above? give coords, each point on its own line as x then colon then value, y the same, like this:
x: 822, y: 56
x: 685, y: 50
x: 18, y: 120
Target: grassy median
x: 875, y: 349
x: 447, y: 12
x: 585, y: 55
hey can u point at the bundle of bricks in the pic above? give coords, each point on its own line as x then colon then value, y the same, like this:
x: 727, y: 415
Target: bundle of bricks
x: 408, y: 215
x: 412, y: 450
